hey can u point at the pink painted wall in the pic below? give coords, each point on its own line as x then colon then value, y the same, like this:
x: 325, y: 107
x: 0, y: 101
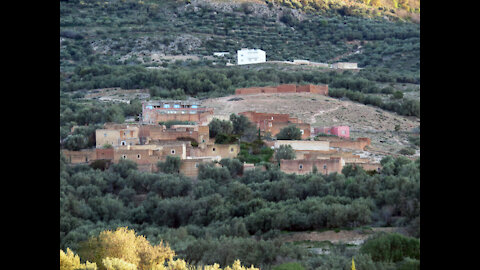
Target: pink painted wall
x: 341, y: 131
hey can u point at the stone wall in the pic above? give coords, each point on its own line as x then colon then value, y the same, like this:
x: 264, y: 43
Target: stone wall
x: 82, y: 156
x: 359, y: 144
x: 324, y: 166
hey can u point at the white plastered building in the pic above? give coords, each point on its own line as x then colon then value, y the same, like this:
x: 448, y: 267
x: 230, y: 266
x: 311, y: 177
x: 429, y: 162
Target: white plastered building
x: 250, y: 56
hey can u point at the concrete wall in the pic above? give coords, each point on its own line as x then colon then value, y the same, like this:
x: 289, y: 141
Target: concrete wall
x: 305, y: 145
x: 325, y: 166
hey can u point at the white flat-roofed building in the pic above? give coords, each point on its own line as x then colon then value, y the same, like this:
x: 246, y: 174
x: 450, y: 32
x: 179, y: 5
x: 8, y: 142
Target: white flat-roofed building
x: 250, y: 56
x: 220, y: 54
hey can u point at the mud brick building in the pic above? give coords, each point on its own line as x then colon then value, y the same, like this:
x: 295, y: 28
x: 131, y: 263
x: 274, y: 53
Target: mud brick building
x: 154, y: 112
x: 214, y: 149
x: 117, y: 135
x: 78, y: 157
x: 273, y: 123
x: 304, y: 166
x: 189, y: 166
x: 284, y: 88
x: 198, y: 133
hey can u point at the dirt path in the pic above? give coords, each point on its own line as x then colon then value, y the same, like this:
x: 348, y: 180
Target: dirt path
x: 353, y: 236
x: 313, y: 119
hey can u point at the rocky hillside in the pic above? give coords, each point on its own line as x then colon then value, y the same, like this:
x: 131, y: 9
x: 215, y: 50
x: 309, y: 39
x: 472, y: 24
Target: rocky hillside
x: 388, y: 131
x: 149, y: 32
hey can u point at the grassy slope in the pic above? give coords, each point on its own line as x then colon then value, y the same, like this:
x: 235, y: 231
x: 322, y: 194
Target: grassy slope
x: 119, y: 29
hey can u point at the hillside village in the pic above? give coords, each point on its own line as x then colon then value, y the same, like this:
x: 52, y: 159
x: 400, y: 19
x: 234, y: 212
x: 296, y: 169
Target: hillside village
x: 149, y: 141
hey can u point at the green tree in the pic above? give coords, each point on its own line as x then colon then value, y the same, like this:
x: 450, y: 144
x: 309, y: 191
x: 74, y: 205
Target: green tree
x: 218, y: 126
x: 290, y: 132
x: 170, y: 165
x: 75, y: 142
x: 284, y: 152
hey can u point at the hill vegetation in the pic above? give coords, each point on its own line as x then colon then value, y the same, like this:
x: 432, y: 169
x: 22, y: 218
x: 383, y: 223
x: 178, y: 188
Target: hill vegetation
x: 214, y: 220
x: 228, y: 215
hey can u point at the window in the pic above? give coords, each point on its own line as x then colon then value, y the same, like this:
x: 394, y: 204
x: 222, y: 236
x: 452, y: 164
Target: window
x: 300, y: 166
x: 176, y: 105
x: 301, y: 131
x: 166, y: 105
x: 324, y: 166
x: 270, y: 124
x: 213, y: 149
x: 138, y: 156
x: 104, y: 134
x: 231, y: 149
x: 343, y: 132
x: 196, y: 165
x: 123, y: 143
x: 173, y: 151
x: 124, y: 156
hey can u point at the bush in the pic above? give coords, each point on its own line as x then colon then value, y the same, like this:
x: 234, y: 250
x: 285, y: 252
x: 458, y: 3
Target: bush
x: 407, y: 151
x: 398, y: 95
x: 289, y: 266
x: 289, y: 133
x: 391, y: 247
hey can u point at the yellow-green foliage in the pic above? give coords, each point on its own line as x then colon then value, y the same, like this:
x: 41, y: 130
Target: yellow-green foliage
x: 118, y: 264
x: 122, y: 249
x: 126, y: 245
x: 70, y: 261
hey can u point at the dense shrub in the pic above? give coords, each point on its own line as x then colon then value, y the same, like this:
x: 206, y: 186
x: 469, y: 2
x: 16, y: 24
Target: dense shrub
x: 392, y: 247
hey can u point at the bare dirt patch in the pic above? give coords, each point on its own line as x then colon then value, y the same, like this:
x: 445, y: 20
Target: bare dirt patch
x: 343, y: 236
x: 364, y: 121
x: 117, y: 94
